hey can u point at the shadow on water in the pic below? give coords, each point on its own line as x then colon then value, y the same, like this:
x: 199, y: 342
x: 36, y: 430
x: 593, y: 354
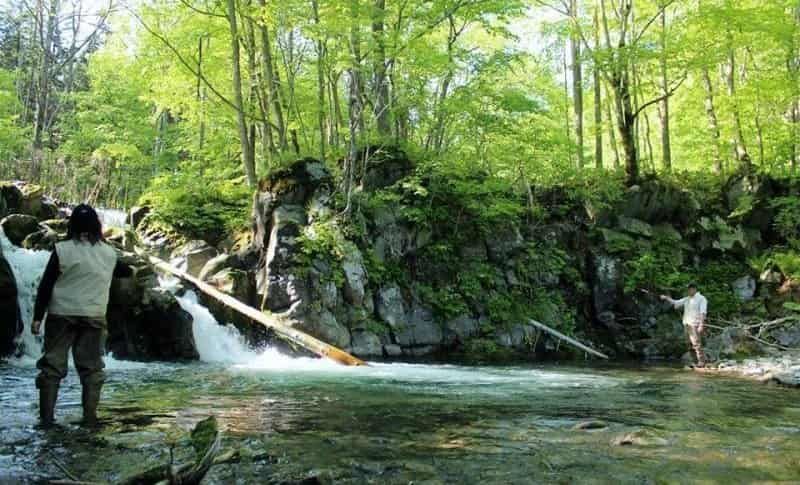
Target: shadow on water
x: 396, y: 423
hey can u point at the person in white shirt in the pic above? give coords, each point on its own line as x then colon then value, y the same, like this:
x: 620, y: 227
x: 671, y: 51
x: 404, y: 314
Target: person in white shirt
x: 695, y: 310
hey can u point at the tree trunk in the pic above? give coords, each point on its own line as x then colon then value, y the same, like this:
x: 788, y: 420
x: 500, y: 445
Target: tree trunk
x: 320, y: 82
x: 739, y: 148
x: 663, y: 112
x: 248, y: 158
x: 713, y: 123
x: 612, y: 127
x: 380, y: 81
x: 272, y: 81
x: 598, y: 100
x: 577, y: 80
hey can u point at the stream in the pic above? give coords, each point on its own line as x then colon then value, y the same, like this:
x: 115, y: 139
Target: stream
x: 308, y: 419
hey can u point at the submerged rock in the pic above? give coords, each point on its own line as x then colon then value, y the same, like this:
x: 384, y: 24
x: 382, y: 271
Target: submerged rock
x: 19, y: 226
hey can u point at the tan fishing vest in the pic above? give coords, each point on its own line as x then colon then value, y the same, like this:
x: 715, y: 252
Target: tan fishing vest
x: 83, y: 287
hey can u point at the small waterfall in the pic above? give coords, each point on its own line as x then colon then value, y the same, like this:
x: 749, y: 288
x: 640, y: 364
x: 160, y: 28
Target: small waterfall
x: 28, y: 267
x: 113, y: 218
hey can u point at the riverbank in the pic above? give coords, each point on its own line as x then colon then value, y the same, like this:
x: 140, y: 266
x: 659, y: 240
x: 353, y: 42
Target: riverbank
x: 782, y: 370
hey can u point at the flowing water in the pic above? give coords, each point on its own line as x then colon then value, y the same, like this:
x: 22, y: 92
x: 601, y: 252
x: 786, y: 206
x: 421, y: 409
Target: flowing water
x: 292, y: 419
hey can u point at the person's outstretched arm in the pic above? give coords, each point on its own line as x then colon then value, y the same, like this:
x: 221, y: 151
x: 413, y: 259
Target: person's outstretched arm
x: 45, y: 293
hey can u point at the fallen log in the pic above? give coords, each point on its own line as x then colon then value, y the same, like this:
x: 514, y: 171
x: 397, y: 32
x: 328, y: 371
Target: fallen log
x: 302, y: 339
x: 569, y: 340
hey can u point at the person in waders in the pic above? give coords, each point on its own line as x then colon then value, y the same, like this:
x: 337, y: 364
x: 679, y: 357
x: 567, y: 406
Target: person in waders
x: 74, y: 294
x: 695, y: 310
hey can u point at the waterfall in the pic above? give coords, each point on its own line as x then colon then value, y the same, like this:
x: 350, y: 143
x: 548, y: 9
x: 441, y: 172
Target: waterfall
x: 113, y: 218
x: 28, y: 267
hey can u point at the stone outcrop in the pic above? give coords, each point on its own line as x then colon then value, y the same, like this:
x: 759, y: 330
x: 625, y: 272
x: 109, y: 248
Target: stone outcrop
x: 146, y: 323
x: 10, y: 323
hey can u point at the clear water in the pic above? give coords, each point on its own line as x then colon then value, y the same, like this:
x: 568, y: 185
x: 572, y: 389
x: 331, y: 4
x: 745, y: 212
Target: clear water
x: 398, y: 423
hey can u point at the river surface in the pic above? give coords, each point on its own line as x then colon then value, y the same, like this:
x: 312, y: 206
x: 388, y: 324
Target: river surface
x: 403, y: 423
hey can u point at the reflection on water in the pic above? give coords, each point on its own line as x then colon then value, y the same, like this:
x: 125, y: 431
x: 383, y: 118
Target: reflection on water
x: 394, y: 423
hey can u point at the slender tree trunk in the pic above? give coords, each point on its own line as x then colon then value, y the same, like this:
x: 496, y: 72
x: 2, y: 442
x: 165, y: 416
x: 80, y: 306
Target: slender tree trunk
x: 577, y: 81
x: 272, y: 81
x: 320, y: 82
x: 248, y: 158
x: 713, y: 123
x: 380, y: 82
x: 663, y: 112
x: 598, y: 99
x: 612, y: 127
x: 739, y: 147
x: 201, y: 95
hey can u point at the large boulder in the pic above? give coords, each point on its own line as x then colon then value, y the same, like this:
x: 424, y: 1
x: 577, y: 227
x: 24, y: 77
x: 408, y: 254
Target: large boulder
x: 420, y: 329
x: 324, y: 326
x: 196, y: 254
x: 147, y: 323
x: 24, y: 198
x: 366, y: 344
x: 382, y: 167
x: 654, y: 201
x: 390, y: 306
x: 10, y: 322
x: 19, y: 226
x: 355, y: 276
x: 241, y: 285
x: 280, y: 282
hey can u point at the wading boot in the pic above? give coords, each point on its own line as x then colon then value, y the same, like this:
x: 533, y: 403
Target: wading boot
x: 48, y: 393
x: 90, y: 398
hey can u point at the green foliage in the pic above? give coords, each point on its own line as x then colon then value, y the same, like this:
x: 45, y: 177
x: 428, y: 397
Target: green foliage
x: 197, y: 207
x: 324, y: 241
x: 787, y: 219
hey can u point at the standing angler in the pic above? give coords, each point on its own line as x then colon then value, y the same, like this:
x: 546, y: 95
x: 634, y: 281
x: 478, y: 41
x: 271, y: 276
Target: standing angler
x: 695, y: 310
x: 74, y: 292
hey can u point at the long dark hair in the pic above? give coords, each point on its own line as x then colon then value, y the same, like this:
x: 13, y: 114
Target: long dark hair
x: 85, y: 223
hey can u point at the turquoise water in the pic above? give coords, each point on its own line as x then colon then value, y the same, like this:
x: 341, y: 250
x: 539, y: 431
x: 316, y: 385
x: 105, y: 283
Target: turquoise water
x: 403, y: 423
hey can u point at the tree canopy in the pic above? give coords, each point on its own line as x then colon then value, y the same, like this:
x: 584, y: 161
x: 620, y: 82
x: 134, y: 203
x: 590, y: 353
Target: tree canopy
x: 104, y: 100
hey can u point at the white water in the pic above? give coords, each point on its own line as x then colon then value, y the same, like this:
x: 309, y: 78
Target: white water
x: 113, y: 218
x: 28, y: 267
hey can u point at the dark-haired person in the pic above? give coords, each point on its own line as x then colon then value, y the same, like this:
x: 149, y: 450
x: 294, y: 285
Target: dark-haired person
x: 695, y: 311
x: 74, y: 293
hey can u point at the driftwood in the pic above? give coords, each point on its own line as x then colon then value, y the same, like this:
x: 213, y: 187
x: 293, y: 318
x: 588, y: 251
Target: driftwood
x: 759, y: 328
x: 569, y: 340
x: 302, y: 339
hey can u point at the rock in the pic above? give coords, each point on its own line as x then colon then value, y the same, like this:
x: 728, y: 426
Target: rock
x: 635, y: 227
x: 607, y: 284
x: 19, y: 226
x: 27, y: 199
x: 148, y: 324
x: 771, y: 276
x: 615, y: 241
x: 504, y: 241
x: 422, y: 327
x: 137, y: 215
x: 385, y: 166
x: 42, y: 240
x: 744, y: 288
x: 518, y: 337
x: 366, y: 344
x: 241, y: 285
x: 196, y: 253
x: 392, y: 350
x: 788, y: 337
x: 355, y: 276
x: 325, y: 327
x: 460, y: 329
x: 654, y: 201
x: 283, y: 287
x: 640, y: 437
x: 390, y: 306
x: 592, y: 425
x: 11, y: 322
